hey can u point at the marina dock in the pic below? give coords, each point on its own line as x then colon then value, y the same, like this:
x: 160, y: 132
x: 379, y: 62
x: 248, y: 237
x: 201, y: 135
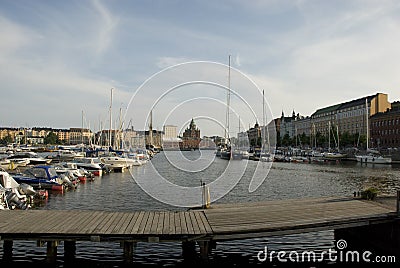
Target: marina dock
x: 206, y: 227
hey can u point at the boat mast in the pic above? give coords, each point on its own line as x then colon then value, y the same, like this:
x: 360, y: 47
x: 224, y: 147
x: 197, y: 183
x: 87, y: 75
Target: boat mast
x: 366, y: 120
x: 119, y: 144
x: 82, y: 130
x: 239, y: 134
x: 228, y: 100
x: 109, y: 131
x: 151, y: 129
x: 329, y: 136
x: 263, y: 123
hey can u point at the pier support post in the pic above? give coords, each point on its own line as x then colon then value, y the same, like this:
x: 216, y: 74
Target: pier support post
x: 188, y: 250
x: 51, y: 255
x: 7, y: 250
x: 128, y: 248
x: 204, y: 249
x: 69, y: 251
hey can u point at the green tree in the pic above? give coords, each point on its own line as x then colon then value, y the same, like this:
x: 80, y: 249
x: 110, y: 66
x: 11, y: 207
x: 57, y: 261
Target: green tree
x: 286, y: 140
x: 6, y: 140
x: 51, y: 138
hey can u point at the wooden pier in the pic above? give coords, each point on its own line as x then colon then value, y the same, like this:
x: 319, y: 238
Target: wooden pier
x: 220, y: 222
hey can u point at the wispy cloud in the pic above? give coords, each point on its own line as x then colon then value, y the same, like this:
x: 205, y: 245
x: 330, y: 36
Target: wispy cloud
x: 107, y: 23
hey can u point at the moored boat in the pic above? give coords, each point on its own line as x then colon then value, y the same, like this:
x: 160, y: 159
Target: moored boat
x: 43, y: 177
x: 373, y: 158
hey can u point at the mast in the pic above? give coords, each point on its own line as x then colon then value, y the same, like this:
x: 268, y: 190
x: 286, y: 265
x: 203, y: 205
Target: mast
x: 338, y: 141
x: 109, y: 131
x: 119, y: 142
x: 329, y: 136
x: 366, y: 120
x: 239, y: 135
x: 151, y: 128
x: 263, y: 123
x: 228, y: 99
x: 82, y: 129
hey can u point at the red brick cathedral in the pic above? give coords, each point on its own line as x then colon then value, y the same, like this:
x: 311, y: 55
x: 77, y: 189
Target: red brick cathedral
x: 191, y: 137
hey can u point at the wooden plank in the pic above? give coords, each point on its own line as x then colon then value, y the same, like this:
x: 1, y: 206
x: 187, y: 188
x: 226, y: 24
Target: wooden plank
x: 161, y: 222
x: 93, y: 223
x: 111, y: 223
x: 182, y: 225
x: 149, y: 223
x: 178, y: 223
x: 172, y: 224
x: 130, y: 227
x: 153, y: 227
x: 200, y: 223
x: 167, y: 222
x: 143, y: 222
x: 195, y: 223
x: 60, y: 222
x: 189, y: 223
x: 100, y: 227
x: 120, y: 227
x: 73, y: 224
x: 129, y: 217
x: 133, y: 228
x: 26, y: 222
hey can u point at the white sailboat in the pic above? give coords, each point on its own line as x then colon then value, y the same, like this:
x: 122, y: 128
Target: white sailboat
x: 371, y: 156
x: 112, y: 160
x: 333, y: 155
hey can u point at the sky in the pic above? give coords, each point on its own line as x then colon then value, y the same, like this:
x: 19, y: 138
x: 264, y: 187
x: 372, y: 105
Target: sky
x: 102, y: 64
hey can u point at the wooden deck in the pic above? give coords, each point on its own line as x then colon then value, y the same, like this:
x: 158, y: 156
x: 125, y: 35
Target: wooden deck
x: 217, y: 223
x: 281, y: 217
x: 103, y: 226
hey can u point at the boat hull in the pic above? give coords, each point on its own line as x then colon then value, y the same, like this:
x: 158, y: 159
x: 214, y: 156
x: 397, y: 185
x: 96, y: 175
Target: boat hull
x: 373, y: 159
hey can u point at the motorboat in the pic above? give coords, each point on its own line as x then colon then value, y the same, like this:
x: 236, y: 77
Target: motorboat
x: 72, y: 171
x: 64, y: 155
x: 13, y: 194
x: 44, y: 177
x: 373, y: 158
x: 91, y: 164
x: 333, y: 155
x: 32, y: 157
x: 117, y: 162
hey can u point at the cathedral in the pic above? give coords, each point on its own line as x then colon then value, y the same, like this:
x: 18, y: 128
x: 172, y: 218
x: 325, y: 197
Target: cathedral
x: 191, y: 137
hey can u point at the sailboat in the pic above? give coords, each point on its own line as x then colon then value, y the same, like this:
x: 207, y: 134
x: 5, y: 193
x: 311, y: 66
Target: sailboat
x: 371, y: 156
x: 226, y: 149
x: 113, y: 160
x: 333, y: 155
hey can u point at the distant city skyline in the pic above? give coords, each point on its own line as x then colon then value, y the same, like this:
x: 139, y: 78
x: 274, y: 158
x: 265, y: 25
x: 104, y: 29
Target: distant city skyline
x: 305, y: 55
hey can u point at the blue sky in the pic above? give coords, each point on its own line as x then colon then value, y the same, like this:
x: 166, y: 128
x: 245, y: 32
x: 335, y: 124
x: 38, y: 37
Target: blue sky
x: 60, y: 59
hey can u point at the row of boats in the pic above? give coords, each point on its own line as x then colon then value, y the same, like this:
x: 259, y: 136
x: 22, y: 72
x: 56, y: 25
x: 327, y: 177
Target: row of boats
x: 370, y: 157
x: 30, y: 177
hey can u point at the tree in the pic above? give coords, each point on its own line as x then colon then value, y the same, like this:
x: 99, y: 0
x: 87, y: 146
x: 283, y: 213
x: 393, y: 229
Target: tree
x: 286, y: 140
x: 6, y: 140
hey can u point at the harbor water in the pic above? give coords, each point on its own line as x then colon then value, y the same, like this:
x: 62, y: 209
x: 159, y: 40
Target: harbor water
x: 129, y: 191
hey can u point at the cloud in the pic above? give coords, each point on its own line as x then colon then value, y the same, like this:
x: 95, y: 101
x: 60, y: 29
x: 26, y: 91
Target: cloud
x: 107, y: 24
x: 165, y: 62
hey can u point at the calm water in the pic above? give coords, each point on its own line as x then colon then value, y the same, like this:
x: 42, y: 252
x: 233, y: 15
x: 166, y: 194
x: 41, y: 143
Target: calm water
x: 121, y: 192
